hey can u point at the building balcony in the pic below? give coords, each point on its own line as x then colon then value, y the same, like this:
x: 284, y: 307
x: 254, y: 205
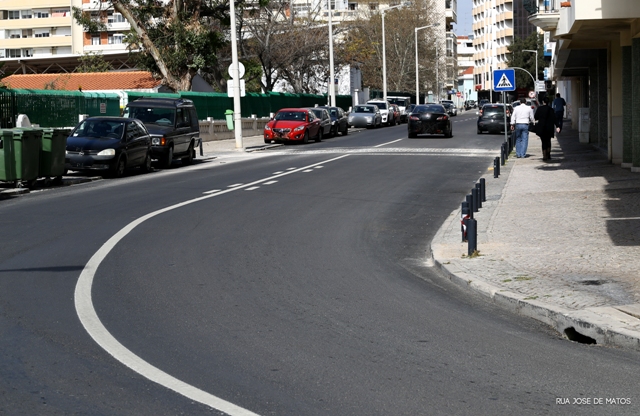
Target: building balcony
x: 33, y: 42
x: 121, y: 47
x: 16, y: 24
x: 544, y: 14
x: 34, y: 4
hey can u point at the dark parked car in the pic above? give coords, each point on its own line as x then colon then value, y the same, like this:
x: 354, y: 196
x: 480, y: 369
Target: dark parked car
x: 339, y: 120
x: 110, y: 144
x: 395, y: 114
x: 173, y: 125
x: 293, y: 124
x: 451, y: 109
x: 326, y: 126
x: 491, y: 118
x: 366, y: 115
x: 429, y: 119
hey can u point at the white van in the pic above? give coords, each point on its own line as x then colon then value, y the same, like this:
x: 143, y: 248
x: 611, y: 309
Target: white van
x: 402, y: 103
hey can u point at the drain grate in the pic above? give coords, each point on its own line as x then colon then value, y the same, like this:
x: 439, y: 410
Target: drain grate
x: 593, y: 282
x: 574, y: 335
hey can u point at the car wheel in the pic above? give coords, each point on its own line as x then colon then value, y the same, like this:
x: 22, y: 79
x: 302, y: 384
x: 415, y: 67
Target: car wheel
x: 305, y: 138
x: 319, y: 136
x: 168, y: 158
x: 146, y: 166
x: 187, y: 160
x: 119, y: 167
x: 412, y: 135
x: 449, y: 133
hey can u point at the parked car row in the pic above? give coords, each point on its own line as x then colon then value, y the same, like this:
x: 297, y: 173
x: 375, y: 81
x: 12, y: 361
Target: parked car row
x: 303, y: 124
x: 151, y: 128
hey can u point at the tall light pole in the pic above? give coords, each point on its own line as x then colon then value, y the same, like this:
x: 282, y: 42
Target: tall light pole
x: 535, y: 87
x: 417, y: 76
x: 332, y: 87
x: 237, y: 115
x: 384, y: 50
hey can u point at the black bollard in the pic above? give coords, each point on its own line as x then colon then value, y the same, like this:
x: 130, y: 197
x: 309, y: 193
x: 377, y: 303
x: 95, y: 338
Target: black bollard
x: 470, y: 203
x: 479, y: 194
x: 474, y: 194
x: 483, y: 190
x: 472, y: 236
x: 506, y: 151
x: 496, y: 167
x: 463, y: 222
x: 502, y: 155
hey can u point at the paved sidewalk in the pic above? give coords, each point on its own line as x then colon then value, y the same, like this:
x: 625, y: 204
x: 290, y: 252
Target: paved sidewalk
x: 558, y: 241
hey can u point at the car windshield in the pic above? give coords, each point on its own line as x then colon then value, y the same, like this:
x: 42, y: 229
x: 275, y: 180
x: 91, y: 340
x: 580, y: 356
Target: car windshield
x: 492, y: 110
x: 99, y: 128
x: 382, y: 106
x: 317, y: 112
x: 428, y: 109
x: 161, y: 116
x: 364, y: 109
x: 398, y: 101
x: 291, y: 115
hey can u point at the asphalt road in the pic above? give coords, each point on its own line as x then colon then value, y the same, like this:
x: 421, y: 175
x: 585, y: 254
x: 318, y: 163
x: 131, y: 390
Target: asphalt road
x: 295, y: 281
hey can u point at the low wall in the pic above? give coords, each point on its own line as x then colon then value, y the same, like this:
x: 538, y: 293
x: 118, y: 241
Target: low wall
x: 211, y: 130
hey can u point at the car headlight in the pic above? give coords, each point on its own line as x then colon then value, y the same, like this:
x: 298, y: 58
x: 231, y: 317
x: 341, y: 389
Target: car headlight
x: 368, y: 118
x: 267, y: 128
x: 299, y: 128
x: 107, y: 152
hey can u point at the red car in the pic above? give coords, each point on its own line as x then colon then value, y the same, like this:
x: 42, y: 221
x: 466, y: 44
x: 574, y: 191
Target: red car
x: 293, y: 124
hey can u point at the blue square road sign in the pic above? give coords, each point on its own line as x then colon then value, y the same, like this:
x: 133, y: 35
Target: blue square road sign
x: 504, y: 80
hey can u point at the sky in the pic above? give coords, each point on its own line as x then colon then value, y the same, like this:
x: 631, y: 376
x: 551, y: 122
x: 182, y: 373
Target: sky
x: 465, y: 19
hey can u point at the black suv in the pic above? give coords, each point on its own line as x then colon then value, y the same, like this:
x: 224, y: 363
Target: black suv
x: 491, y: 118
x: 172, y: 124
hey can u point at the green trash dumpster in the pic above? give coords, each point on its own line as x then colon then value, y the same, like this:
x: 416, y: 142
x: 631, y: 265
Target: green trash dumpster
x: 20, y: 155
x: 52, y: 153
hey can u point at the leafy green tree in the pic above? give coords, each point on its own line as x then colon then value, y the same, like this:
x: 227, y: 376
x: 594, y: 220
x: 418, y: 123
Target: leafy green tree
x: 175, y: 40
x: 527, y: 60
x: 93, y: 62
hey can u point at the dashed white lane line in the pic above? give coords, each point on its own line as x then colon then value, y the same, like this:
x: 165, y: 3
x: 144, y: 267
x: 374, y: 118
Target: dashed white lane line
x: 384, y: 144
x: 213, y: 191
x: 252, y: 188
x: 270, y: 182
x: 96, y: 330
x: 235, y: 185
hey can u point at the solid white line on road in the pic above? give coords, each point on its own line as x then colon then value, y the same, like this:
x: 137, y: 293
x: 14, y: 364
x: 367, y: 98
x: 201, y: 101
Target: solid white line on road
x: 96, y: 330
x: 384, y: 144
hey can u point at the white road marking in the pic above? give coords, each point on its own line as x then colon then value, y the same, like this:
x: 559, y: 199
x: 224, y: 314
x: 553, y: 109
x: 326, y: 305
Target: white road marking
x: 96, y: 330
x: 213, y: 191
x: 235, y: 185
x: 308, y: 170
x: 384, y: 144
x: 270, y: 182
x: 277, y: 173
x: 253, y: 188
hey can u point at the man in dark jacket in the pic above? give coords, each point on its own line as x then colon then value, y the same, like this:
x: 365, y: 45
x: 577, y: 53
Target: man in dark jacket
x: 545, y: 126
x: 558, y: 106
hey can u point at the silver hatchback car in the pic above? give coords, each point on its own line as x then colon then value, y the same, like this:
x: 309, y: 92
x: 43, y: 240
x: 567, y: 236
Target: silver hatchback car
x: 365, y: 115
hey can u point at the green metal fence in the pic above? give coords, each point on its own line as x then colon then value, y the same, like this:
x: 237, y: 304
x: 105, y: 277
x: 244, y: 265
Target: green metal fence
x: 261, y: 105
x: 53, y: 108
x: 8, y: 112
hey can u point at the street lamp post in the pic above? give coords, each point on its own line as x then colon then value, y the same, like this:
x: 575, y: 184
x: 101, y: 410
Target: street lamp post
x: 384, y: 51
x: 332, y: 87
x: 237, y: 115
x: 535, y: 87
x: 417, y: 76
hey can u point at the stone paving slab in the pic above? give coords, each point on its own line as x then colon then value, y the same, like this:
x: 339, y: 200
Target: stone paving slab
x: 557, y: 241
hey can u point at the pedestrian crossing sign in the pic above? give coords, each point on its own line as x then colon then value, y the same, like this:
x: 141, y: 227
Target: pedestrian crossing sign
x: 504, y: 80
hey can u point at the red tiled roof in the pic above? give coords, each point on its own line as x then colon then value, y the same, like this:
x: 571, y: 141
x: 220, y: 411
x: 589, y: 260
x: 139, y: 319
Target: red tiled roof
x: 467, y: 71
x: 133, y: 80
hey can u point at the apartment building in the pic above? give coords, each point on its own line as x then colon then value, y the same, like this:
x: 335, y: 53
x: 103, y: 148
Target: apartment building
x: 495, y: 24
x: 42, y: 36
x: 595, y: 64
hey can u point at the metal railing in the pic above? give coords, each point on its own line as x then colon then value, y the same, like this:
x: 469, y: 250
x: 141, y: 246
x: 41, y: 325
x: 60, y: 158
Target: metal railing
x: 541, y: 6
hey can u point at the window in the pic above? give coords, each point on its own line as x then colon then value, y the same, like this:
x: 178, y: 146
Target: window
x: 14, y: 14
x: 373, y: 6
x: 41, y: 15
x: 27, y: 53
x: 95, y: 40
x: 353, y: 6
x: 42, y: 35
x: 14, y: 53
x: 115, y: 18
x: 26, y: 14
x: 116, y: 39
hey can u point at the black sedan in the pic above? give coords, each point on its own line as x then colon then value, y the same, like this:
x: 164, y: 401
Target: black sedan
x: 429, y: 119
x: 110, y: 144
x: 339, y: 121
x: 322, y: 114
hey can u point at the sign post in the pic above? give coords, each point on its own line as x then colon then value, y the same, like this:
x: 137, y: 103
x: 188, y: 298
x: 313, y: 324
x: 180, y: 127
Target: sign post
x: 504, y: 80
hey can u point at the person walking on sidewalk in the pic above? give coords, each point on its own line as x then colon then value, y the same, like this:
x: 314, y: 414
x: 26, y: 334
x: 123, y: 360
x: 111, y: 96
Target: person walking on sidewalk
x: 520, y: 119
x: 546, y: 122
x: 558, y: 106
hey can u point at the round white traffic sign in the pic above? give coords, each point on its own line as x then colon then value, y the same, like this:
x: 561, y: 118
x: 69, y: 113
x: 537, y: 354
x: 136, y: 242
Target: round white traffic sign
x: 532, y: 94
x: 232, y: 72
